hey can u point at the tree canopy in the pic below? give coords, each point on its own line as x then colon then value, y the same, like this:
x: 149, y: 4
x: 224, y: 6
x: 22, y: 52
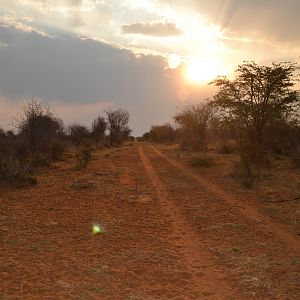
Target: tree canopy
x: 258, y: 95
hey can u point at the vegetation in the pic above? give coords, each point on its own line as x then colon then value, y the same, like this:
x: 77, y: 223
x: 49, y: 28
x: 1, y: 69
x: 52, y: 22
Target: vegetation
x: 41, y: 138
x: 259, y: 96
x: 117, y: 124
x: 16, y: 171
x: 161, y: 133
x: 193, y: 122
x: 202, y: 161
x: 79, y: 135
x: 84, y: 156
x: 255, y: 114
x: 99, y: 127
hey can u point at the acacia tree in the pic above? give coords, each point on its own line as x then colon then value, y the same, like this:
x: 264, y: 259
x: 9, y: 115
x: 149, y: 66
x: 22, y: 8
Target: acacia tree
x: 257, y: 96
x: 193, y: 121
x: 117, y: 121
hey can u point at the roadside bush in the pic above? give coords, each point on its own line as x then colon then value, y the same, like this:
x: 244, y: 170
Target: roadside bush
x: 40, y: 133
x: 84, y: 156
x: 202, y: 161
x: 99, y: 127
x: 283, y: 138
x: 79, y: 135
x: 161, y: 134
x: 193, y: 122
x: 7, y: 141
x: 15, y: 171
x: 246, y: 170
x: 226, y: 147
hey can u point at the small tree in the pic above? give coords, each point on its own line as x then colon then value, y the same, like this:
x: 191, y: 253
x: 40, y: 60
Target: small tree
x: 126, y: 133
x: 257, y: 96
x: 40, y: 130
x: 99, y: 126
x: 193, y: 120
x: 79, y: 134
x: 117, y: 121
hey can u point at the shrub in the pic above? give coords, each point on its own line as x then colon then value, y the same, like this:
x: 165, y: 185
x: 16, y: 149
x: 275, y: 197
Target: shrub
x: 193, y: 122
x: 79, y: 135
x: 283, y: 138
x: 40, y: 133
x: 245, y: 171
x: 161, y: 133
x: 15, y: 171
x: 99, y: 127
x: 226, y: 148
x: 202, y: 161
x: 83, y: 157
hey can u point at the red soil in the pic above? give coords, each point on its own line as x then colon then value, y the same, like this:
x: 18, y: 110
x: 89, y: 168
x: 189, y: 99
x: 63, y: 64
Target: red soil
x: 170, y: 233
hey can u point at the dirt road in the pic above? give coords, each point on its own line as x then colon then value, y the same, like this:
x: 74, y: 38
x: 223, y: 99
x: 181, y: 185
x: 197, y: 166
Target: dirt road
x: 168, y: 233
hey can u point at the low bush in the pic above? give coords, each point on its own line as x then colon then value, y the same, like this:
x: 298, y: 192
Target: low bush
x: 202, y: 161
x: 226, y: 148
x: 84, y: 156
x: 15, y: 171
x: 245, y: 171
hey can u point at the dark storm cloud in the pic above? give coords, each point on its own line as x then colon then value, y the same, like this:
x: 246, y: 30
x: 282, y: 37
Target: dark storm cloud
x: 154, y: 29
x: 73, y: 70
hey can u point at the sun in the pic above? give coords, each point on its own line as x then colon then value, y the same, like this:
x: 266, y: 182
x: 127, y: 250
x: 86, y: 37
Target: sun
x: 203, y: 70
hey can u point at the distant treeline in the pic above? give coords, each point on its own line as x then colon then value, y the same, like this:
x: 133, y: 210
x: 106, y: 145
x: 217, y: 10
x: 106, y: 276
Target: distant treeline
x: 40, y: 138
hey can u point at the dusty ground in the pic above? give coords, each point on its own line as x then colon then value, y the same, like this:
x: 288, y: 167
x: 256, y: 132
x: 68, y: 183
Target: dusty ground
x: 170, y: 233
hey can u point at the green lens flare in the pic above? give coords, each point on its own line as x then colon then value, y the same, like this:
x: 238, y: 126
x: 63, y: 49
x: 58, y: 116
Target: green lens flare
x: 97, y: 229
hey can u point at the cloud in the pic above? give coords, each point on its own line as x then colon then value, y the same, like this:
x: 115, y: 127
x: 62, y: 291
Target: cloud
x: 76, y: 73
x: 82, y: 113
x: 8, y: 111
x: 273, y: 19
x: 20, y: 24
x: 152, y: 28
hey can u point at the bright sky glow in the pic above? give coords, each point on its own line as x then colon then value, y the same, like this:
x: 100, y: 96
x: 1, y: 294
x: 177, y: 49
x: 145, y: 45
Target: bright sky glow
x: 203, y: 70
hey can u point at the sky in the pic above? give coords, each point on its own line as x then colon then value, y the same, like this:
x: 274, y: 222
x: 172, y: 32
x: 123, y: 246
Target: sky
x: 149, y: 57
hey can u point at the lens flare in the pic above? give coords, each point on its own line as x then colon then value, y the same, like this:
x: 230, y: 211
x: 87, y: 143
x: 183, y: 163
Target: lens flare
x: 97, y: 229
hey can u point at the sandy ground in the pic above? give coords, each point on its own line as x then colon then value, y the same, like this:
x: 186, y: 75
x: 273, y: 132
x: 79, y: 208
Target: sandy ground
x: 169, y: 232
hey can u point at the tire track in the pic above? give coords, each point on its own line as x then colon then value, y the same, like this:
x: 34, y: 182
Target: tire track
x: 206, y: 282
x: 246, y: 210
